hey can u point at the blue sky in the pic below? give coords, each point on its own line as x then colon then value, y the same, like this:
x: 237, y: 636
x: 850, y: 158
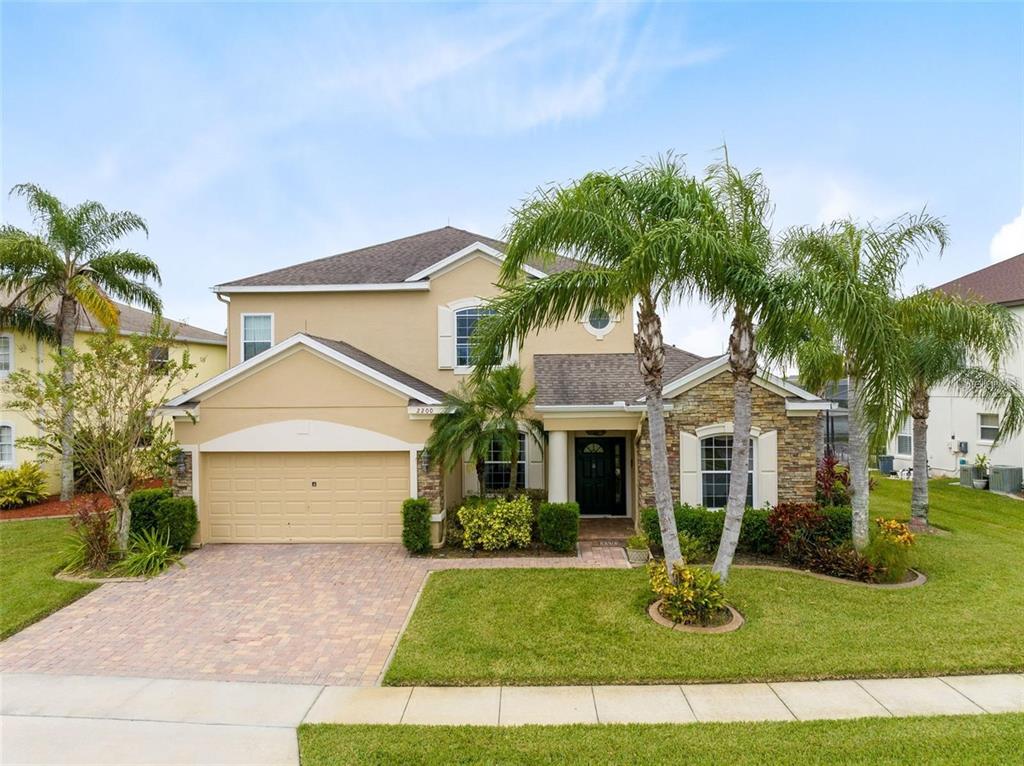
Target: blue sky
x: 253, y: 136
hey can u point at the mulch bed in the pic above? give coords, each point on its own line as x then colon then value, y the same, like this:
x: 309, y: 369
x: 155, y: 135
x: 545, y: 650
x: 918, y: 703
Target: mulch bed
x: 533, y: 550
x: 53, y: 507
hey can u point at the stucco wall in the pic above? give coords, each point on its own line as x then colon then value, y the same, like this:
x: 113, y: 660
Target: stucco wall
x: 401, y: 327
x: 711, y: 402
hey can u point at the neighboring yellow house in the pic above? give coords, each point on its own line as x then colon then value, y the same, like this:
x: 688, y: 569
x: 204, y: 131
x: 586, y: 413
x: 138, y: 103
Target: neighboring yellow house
x: 207, y: 351
x: 336, y: 367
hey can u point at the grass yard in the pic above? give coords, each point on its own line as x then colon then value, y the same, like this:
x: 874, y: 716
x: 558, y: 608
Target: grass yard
x: 990, y: 739
x: 30, y: 552
x: 543, y: 626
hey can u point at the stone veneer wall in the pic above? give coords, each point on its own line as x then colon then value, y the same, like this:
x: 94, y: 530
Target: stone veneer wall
x: 712, y: 402
x: 181, y: 483
x: 429, y: 483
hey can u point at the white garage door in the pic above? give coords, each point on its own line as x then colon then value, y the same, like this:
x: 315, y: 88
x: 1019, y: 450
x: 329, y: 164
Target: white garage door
x: 263, y: 497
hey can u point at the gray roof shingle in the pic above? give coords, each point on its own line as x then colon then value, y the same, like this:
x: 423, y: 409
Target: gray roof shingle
x: 380, y: 366
x: 568, y: 379
x: 386, y: 263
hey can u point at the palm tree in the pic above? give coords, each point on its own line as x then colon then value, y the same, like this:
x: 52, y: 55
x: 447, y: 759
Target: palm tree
x: 959, y: 344
x: 637, y: 236
x: 747, y: 282
x: 852, y: 274
x: 492, y: 409
x: 71, y: 262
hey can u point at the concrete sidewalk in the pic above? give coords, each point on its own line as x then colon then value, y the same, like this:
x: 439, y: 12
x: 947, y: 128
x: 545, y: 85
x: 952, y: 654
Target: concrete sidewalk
x: 95, y: 719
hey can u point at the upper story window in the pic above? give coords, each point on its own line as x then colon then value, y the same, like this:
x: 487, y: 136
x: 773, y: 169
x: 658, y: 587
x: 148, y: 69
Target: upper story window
x: 988, y: 427
x: 158, y: 358
x: 715, y: 465
x: 905, y: 438
x: 6, y: 355
x: 465, y: 323
x: 599, y: 322
x: 257, y: 334
x: 6, y: 445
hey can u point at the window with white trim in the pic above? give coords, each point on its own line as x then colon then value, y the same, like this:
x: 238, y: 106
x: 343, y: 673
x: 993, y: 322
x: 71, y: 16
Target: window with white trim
x: 257, y: 334
x: 715, y: 465
x: 6, y: 355
x: 465, y: 323
x: 6, y: 445
x: 988, y: 427
x: 498, y: 469
x: 905, y: 438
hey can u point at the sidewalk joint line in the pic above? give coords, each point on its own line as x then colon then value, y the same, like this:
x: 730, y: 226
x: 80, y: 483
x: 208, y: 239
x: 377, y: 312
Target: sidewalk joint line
x: 317, y: 697
x: 982, y: 709
x: 867, y: 692
x: 682, y: 690
x: 788, y: 708
x: 593, y: 698
x: 501, y: 693
x: 405, y: 707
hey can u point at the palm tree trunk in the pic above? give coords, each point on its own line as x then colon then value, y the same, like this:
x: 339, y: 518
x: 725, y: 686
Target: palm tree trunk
x: 743, y: 362
x: 513, y: 475
x: 480, y: 477
x: 68, y: 325
x: 650, y: 352
x: 123, y: 521
x: 820, y: 434
x: 858, y: 465
x: 919, y: 407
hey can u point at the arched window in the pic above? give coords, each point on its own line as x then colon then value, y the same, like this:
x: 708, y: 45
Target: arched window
x: 715, y: 465
x: 465, y: 323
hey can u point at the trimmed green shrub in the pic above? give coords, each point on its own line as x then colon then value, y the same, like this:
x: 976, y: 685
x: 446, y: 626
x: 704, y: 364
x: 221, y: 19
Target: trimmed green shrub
x: 23, y: 485
x: 416, y: 524
x: 691, y: 548
x: 637, y: 543
x: 559, y: 525
x: 176, y: 518
x: 497, y: 524
x: 706, y: 526
x: 143, y: 505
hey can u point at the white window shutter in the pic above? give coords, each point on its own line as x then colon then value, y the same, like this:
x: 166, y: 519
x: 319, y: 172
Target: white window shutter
x: 767, y: 468
x: 445, y: 341
x: 689, y: 468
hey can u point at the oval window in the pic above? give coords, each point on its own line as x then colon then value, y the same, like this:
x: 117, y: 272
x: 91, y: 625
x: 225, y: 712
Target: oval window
x: 599, y: 318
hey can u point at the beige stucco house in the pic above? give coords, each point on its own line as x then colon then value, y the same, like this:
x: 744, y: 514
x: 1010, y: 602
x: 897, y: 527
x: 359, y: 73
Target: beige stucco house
x: 336, y: 366
x: 18, y: 351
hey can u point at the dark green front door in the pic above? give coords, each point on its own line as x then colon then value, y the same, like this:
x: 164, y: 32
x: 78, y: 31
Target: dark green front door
x: 601, y: 475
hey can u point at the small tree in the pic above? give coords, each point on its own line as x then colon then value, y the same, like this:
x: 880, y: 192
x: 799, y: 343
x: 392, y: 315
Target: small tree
x: 118, y: 437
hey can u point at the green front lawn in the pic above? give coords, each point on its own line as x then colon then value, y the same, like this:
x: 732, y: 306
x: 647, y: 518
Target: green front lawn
x: 30, y: 552
x: 544, y: 626
x: 991, y: 739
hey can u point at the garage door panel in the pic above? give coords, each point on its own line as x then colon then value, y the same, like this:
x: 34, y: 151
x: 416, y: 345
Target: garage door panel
x: 270, y: 497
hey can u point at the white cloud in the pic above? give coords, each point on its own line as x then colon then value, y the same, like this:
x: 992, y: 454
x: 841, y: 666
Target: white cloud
x: 1009, y: 240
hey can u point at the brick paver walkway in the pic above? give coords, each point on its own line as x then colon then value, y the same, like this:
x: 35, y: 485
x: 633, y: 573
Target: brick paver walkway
x: 324, y: 614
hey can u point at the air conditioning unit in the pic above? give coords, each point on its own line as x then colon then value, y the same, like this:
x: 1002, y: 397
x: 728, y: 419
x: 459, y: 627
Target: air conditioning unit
x: 1005, y: 478
x: 968, y: 473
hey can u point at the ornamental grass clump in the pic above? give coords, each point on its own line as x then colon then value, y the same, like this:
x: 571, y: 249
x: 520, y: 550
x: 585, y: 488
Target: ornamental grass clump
x: 695, y: 598
x: 891, y: 550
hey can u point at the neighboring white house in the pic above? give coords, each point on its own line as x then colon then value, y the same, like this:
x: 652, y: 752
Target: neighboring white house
x: 960, y: 428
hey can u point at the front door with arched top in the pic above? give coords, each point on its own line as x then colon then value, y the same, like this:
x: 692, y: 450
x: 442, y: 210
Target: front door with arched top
x: 601, y: 475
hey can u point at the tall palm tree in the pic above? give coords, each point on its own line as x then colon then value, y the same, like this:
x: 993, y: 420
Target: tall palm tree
x: 746, y: 280
x: 72, y: 262
x: 959, y: 344
x: 493, y: 408
x: 639, y: 236
x: 852, y: 275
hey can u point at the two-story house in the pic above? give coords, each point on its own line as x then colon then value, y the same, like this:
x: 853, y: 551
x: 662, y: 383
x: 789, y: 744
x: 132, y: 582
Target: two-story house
x: 18, y: 351
x: 960, y: 427
x: 336, y: 367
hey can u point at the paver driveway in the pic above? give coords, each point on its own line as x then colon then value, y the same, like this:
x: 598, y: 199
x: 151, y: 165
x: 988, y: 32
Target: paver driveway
x: 327, y: 614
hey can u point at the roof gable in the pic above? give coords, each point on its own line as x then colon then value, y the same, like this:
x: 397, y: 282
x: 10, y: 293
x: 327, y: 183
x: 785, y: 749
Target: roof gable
x: 1002, y: 282
x: 338, y: 352
x: 400, y: 264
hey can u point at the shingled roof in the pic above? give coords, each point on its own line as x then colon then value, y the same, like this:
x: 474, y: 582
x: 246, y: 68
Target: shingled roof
x: 134, y: 320
x: 1001, y: 282
x: 577, y: 379
x: 387, y: 263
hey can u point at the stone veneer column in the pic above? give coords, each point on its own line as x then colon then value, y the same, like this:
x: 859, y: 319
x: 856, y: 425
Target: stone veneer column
x: 558, y: 466
x: 181, y: 483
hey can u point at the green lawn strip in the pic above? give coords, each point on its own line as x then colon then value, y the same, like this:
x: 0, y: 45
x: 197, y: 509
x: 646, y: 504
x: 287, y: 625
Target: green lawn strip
x: 991, y: 739
x: 30, y: 552
x: 544, y: 626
